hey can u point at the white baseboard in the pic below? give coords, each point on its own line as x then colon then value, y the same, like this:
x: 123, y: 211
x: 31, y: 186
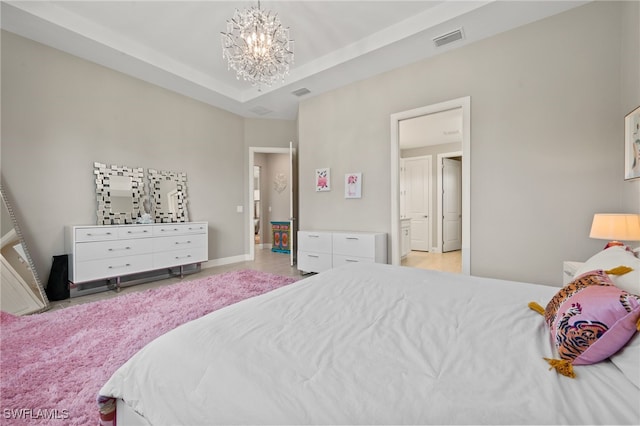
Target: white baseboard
x: 225, y: 261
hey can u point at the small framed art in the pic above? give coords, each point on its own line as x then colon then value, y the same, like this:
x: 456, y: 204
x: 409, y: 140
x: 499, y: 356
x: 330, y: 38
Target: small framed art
x: 353, y: 185
x: 632, y: 145
x: 323, y: 179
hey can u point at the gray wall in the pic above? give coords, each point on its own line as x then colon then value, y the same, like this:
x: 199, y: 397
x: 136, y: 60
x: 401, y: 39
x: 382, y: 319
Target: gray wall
x: 547, y: 107
x: 278, y: 201
x: 60, y: 114
x: 630, y: 82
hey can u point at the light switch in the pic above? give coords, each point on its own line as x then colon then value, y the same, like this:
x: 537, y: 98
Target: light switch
x: 239, y: 209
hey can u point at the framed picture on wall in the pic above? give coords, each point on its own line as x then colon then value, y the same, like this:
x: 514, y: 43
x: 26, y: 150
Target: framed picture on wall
x: 632, y: 145
x: 353, y: 185
x: 323, y: 179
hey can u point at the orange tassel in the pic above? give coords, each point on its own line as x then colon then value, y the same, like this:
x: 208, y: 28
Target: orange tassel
x: 638, y: 324
x: 619, y: 270
x: 562, y: 366
x: 534, y: 306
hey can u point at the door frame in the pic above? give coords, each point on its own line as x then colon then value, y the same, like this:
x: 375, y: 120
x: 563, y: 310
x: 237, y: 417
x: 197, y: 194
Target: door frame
x: 465, y: 104
x: 252, y: 151
x: 440, y: 200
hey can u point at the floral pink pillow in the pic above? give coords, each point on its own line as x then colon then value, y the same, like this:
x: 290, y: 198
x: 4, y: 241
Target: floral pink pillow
x: 591, y: 319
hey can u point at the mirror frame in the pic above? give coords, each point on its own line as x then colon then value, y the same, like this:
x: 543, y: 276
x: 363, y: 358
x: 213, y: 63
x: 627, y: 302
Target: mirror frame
x: 105, y: 216
x: 159, y: 215
x: 32, y: 268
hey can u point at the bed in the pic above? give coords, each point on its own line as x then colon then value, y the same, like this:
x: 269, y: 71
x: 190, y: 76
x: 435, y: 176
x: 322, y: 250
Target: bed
x: 370, y: 344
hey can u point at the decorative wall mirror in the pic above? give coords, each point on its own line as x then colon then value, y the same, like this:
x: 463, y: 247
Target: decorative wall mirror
x: 168, y: 196
x: 119, y: 192
x: 22, y: 291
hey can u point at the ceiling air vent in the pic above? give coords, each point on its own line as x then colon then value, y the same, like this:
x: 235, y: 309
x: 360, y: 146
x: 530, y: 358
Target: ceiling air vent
x: 260, y: 110
x: 449, y: 38
x: 301, y: 92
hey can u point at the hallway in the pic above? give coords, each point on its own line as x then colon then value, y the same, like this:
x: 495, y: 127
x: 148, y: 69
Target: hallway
x: 446, y: 262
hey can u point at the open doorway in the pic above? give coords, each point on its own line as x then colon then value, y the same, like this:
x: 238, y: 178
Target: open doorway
x: 272, y: 183
x: 441, y: 211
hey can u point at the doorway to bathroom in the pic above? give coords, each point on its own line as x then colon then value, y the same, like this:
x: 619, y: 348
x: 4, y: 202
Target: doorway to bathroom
x: 272, y: 196
x: 440, y: 135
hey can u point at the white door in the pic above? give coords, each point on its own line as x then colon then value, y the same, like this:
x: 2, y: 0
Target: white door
x: 417, y: 203
x: 451, y: 204
x: 292, y: 210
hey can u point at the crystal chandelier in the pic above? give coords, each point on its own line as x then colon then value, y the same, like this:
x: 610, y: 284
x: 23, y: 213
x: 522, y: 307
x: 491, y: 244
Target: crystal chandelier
x: 257, y: 46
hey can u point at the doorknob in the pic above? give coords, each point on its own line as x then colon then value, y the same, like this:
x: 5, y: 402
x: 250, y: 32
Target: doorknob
x: 426, y: 215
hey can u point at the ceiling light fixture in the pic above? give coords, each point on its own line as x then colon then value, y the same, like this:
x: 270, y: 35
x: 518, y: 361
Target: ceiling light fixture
x: 257, y: 46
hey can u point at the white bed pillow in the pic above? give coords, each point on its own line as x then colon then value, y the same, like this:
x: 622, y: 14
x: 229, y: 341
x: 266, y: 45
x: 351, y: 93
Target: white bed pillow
x: 610, y: 258
x: 628, y: 360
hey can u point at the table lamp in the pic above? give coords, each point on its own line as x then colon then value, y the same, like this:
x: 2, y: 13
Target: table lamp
x: 615, y: 228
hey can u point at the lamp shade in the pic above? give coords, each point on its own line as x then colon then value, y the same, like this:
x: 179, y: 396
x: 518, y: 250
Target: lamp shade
x: 622, y: 227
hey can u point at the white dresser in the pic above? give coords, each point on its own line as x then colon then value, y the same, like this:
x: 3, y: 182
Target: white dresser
x: 113, y: 251
x: 322, y: 250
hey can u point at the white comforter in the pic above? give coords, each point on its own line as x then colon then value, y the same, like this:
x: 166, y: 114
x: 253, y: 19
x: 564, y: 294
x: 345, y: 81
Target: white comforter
x: 371, y: 344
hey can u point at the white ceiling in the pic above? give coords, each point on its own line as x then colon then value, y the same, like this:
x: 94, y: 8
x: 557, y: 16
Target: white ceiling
x: 431, y: 129
x: 176, y: 44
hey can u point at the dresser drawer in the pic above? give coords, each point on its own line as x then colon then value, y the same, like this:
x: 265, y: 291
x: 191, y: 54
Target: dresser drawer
x: 127, y: 232
x: 354, y: 244
x: 179, y: 242
x: 179, y: 229
x: 110, y: 249
x: 108, y: 268
x: 340, y: 260
x: 313, y: 262
x: 179, y: 257
x: 319, y: 242
x: 96, y: 234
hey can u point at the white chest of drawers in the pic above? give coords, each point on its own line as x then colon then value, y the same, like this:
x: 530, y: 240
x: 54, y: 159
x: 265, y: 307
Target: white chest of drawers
x: 322, y: 250
x: 113, y: 251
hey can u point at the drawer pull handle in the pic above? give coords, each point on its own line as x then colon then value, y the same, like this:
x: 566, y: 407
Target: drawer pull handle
x: 138, y: 232
x: 313, y: 255
x: 165, y: 229
x: 352, y: 238
x: 314, y: 236
x: 90, y: 234
x: 126, y: 265
x: 183, y: 257
x: 183, y: 242
x: 351, y: 260
x: 121, y: 248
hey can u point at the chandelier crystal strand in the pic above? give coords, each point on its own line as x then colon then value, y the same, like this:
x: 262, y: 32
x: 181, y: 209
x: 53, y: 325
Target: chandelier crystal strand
x: 257, y: 46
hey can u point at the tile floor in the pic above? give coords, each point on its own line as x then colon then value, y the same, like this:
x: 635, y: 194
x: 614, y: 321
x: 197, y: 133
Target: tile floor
x: 447, y: 262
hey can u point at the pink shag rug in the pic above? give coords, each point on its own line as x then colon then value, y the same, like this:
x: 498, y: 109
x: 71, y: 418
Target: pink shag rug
x: 53, y: 364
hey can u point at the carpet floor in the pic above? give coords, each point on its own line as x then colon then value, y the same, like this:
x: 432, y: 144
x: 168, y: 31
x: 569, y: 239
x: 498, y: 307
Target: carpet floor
x: 53, y: 364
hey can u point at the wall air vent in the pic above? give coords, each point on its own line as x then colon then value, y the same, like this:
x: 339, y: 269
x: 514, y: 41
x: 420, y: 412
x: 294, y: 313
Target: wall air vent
x: 301, y: 92
x: 449, y: 38
x: 260, y: 110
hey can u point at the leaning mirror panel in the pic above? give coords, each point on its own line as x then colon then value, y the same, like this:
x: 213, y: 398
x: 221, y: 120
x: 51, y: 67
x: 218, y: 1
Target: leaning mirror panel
x: 168, y: 191
x: 119, y: 192
x: 22, y: 291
